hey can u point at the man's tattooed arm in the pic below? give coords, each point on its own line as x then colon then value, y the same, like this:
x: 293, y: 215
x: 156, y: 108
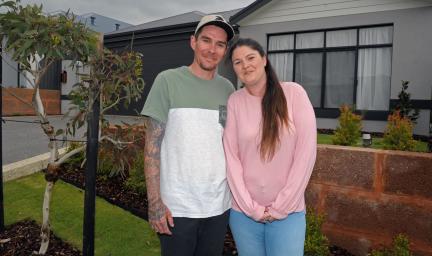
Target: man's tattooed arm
x: 158, y: 212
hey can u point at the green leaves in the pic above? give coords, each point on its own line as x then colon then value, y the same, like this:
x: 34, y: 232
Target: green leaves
x: 349, y: 129
x: 29, y: 32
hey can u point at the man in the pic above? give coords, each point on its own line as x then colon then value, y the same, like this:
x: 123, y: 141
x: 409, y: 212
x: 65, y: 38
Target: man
x: 187, y: 191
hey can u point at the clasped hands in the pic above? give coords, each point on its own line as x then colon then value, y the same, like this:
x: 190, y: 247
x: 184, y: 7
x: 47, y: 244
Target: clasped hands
x: 267, y: 218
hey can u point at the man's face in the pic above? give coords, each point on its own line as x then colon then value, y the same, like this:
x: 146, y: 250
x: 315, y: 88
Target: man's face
x: 210, y: 46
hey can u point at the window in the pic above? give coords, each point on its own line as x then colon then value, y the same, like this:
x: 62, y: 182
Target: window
x: 337, y: 66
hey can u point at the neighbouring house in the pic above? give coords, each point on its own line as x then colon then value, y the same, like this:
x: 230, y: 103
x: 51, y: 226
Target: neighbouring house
x: 164, y: 43
x: 355, y: 52
x: 54, y: 91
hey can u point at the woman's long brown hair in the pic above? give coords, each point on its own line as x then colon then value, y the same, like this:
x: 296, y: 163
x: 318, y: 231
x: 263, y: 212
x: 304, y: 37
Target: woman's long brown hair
x: 273, y: 105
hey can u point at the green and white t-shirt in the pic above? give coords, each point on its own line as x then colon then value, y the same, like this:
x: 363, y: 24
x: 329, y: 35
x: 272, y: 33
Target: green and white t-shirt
x: 193, y: 173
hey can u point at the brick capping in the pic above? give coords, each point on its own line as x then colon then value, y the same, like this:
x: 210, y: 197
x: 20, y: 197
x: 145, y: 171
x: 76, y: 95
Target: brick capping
x: 371, y: 195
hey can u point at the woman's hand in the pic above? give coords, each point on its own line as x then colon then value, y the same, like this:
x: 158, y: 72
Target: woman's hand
x: 266, y: 218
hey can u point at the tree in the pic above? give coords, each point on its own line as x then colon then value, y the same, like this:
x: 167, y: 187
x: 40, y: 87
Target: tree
x: 404, y: 105
x: 36, y: 41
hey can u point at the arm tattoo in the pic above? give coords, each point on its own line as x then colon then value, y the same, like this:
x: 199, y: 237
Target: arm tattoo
x: 155, y: 131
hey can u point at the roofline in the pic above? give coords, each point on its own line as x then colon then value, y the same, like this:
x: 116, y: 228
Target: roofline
x: 158, y: 29
x: 149, y: 30
x: 248, y: 10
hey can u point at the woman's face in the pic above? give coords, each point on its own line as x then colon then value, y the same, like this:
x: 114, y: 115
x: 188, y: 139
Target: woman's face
x: 249, y: 66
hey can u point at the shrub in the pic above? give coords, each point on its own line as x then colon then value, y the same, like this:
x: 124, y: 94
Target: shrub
x: 349, y: 129
x: 400, y: 248
x: 136, y: 179
x: 399, y: 133
x: 78, y: 158
x: 116, y: 156
x: 405, y: 106
x: 316, y: 243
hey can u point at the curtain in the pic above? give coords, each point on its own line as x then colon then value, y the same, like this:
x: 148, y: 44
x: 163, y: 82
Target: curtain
x: 340, y: 71
x: 378, y: 35
x: 282, y: 42
x: 308, y: 74
x: 283, y: 65
x: 374, y: 73
x: 347, y: 37
x: 310, y: 40
x: 374, y: 69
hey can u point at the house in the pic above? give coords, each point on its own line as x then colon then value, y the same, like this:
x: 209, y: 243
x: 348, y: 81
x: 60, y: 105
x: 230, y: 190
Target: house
x: 348, y: 51
x: 56, y: 91
x: 164, y: 43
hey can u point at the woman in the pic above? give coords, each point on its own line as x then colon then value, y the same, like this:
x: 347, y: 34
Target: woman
x: 270, y: 147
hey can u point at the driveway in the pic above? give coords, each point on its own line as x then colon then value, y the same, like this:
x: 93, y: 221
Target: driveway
x: 23, y: 140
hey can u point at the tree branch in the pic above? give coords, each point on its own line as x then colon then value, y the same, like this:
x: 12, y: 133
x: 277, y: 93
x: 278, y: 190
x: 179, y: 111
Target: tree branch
x: 69, y: 154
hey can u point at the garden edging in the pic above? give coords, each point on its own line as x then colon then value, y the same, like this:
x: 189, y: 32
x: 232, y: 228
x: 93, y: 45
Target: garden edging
x: 27, y: 166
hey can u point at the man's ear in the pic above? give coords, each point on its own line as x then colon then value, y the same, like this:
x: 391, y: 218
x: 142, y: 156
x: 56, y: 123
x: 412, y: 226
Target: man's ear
x: 193, y: 41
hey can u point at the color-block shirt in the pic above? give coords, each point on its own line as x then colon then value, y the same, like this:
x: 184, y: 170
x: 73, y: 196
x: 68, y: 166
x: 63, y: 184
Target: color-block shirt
x: 281, y: 182
x: 193, y: 172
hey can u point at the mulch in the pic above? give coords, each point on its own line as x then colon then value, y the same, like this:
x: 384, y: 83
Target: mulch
x: 23, y: 239
x: 112, y: 190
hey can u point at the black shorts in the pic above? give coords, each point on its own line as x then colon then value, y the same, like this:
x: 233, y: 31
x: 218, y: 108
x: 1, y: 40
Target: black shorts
x: 196, y: 237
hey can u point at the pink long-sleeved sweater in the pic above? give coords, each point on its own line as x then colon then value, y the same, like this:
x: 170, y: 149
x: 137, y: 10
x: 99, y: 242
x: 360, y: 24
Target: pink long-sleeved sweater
x: 279, y: 183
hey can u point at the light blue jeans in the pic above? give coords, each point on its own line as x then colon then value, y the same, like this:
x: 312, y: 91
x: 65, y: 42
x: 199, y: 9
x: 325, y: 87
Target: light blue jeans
x: 280, y: 238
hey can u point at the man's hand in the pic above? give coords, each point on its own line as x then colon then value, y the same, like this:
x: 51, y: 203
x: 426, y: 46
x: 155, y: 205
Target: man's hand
x: 160, y: 217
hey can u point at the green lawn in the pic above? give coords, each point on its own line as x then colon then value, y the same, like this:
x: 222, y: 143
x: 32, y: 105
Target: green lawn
x: 376, y: 142
x: 117, y: 232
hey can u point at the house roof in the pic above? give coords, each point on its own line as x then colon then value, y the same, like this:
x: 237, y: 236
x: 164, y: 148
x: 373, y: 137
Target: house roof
x: 102, y: 23
x: 248, y: 10
x: 177, y: 20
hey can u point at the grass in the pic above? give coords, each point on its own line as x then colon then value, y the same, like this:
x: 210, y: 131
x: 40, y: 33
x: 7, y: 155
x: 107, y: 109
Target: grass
x: 421, y: 146
x: 117, y: 232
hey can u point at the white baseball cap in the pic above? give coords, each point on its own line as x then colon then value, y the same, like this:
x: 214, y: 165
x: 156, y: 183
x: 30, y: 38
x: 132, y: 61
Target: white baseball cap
x: 216, y: 20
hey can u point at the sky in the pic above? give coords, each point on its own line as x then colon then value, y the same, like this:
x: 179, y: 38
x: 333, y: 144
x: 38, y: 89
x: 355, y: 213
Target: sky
x: 138, y: 11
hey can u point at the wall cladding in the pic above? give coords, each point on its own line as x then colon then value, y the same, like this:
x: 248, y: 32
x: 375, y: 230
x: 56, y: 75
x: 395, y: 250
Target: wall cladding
x: 369, y: 196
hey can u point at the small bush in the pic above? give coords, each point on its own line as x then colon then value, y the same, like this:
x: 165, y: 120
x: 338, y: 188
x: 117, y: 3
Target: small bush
x: 400, y: 248
x: 117, y: 155
x: 399, y: 133
x: 78, y: 158
x: 316, y: 243
x: 349, y: 130
x: 136, y: 179
x: 405, y: 105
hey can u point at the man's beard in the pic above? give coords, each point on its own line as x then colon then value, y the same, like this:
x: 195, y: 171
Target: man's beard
x: 212, y: 68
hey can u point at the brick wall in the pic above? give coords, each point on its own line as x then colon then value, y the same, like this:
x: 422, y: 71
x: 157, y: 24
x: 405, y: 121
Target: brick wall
x: 12, y: 106
x: 369, y: 196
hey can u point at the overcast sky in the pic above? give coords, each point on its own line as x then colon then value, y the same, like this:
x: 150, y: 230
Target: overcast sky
x: 139, y: 11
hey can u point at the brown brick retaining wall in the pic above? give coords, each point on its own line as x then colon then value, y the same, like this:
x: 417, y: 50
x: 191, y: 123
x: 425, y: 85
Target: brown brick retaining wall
x: 369, y: 196
x: 12, y: 106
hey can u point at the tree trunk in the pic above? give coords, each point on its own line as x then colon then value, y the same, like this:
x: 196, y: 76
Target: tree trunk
x: 45, y: 230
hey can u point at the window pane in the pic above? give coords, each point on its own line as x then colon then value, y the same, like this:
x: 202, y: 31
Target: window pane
x: 283, y: 65
x: 378, y: 35
x: 374, y: 73
x: 339, y: 79
x: 282, y: 42
x: 341, y: 38
x: 310, y: 40
x: 308, y: 74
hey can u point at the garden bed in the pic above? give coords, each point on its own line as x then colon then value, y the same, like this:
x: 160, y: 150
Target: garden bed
x: 23, y: 239
x: 113, y: 190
